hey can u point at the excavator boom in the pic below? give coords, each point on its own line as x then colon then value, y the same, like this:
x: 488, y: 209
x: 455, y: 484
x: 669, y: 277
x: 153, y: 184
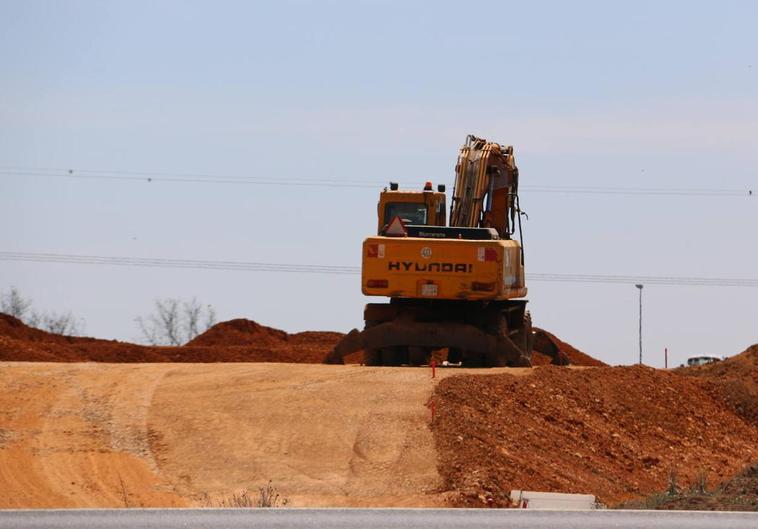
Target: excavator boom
x: 486, y: 187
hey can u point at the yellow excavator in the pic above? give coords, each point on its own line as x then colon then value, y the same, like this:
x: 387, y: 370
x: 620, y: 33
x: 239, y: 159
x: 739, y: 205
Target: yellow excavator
x: 456, y: 288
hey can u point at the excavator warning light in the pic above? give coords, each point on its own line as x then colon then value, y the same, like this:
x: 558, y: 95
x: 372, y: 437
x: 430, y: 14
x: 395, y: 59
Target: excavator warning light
x: 375, y: 250
x: 377, y: 283
x: 441, y: 188
x: 428, y: 186
x: 393, y: 186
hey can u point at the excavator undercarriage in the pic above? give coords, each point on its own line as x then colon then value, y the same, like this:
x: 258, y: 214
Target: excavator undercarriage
x: 473, y: 334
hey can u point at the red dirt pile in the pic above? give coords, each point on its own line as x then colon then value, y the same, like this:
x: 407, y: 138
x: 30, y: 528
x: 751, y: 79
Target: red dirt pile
x: 233, y: 341
x: 15, y: 329
x: 733, y: 381
x: 269, y: 344
x: 616, y: 432
x: 548, y: 347
x: 237, y: 340
x: 240, y: 332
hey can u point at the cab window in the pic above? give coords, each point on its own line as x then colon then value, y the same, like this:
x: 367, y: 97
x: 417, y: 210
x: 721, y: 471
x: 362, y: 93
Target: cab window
x: 409, y: 212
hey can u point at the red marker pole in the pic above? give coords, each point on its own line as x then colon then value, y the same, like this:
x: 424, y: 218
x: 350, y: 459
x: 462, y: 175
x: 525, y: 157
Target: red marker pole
x: 433, y: 363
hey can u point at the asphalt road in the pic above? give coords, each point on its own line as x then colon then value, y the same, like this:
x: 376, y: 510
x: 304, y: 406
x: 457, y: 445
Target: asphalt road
x: 369, y: 519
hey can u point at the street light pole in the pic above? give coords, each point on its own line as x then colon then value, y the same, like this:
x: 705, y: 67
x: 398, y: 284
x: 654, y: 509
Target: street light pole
x: 639, y: 286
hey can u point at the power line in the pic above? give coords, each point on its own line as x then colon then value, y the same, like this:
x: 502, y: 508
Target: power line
x: 651, y: 280
x: 206, y: 178
x: 253, y: 266
x: 659, y: 191
x: 177, y: 263
x: 190, y: 178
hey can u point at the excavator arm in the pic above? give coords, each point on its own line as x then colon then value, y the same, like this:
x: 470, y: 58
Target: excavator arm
x: 486, y: 187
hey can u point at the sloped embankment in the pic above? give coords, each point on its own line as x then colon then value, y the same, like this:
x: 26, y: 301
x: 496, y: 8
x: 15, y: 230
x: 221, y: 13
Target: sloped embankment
x: 548, y: 347
x: 616, y: 432
x: 176, y: 435
x: 733, y: 381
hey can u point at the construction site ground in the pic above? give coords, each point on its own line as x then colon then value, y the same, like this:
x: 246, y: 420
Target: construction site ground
x: 98, y: 435
x: 79, y: 433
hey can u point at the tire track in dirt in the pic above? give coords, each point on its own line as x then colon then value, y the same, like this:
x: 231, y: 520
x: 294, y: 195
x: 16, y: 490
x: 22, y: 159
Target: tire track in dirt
x: 130, y: 401
x: 110, y: 461
x: 61, y: 453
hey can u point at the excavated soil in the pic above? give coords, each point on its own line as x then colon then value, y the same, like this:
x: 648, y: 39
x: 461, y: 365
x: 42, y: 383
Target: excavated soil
x: 614, y: 432
x: 548, y: 348
x: 232, y: 341
x: 240, y: 332
x: 237, y: 340
x: 733, y: 381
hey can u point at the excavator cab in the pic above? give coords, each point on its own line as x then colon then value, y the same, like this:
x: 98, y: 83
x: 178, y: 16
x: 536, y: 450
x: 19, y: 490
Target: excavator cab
x: 424, y: 208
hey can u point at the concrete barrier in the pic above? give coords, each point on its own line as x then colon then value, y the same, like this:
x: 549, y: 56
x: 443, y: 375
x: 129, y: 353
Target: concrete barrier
x: 527, y: 499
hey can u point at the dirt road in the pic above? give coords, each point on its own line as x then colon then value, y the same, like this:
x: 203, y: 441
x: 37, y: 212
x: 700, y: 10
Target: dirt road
x: 112, y: 435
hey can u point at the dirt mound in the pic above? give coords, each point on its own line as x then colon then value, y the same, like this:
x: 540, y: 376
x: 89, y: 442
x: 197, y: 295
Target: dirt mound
x: 240, y: 332
x: 272, y: 344
x: 238, y: 340
x: 733, y: 381
x: 232, y: 341
x: 14, y: 328
x: 613, y: 432
x: 549, y: 349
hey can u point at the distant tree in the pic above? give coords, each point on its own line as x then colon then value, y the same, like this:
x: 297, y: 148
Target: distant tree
x: 58, y: 323
x: 197, y: 319
x: 175, y: 321
x: 13, y: 303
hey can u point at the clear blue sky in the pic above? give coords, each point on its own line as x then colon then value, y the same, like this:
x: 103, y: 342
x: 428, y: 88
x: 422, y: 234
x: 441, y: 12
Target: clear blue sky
x: 648, y: 94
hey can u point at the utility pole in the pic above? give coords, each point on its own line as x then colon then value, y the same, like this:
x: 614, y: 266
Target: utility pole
x: 639, y: 286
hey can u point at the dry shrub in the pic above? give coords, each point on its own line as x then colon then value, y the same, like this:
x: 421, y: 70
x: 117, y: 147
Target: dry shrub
x: 268, y: 497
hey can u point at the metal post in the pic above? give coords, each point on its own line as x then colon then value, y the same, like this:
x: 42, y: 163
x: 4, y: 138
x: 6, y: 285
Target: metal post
x: 640, y: 289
